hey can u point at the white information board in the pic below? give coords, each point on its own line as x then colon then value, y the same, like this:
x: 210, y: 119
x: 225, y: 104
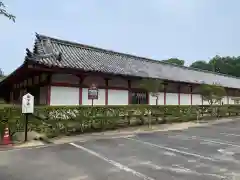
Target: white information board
x: 27, y: 104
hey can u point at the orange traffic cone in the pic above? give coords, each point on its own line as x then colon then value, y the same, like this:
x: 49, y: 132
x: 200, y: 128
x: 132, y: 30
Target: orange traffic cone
x: 6, y: 137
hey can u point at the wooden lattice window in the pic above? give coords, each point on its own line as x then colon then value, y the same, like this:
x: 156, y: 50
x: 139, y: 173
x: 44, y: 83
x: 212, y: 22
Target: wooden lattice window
x: 139, y: 98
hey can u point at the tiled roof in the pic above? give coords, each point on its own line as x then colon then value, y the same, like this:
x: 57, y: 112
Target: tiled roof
x: 79, y: 56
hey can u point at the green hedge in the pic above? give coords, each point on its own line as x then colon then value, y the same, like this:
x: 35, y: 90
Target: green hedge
x: 61, y: 120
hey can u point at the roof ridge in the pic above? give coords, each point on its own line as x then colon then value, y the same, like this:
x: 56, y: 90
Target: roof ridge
x: 35, y: 57
x: 76, y: 44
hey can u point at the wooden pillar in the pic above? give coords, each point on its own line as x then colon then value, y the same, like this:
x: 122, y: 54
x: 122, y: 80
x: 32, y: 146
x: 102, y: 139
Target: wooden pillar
x: 11, y: 96
x: 191, y: 90
x: 80, y: 91
x: 81, y: 79
x: 129, y: 92
x: 106, y: 91
x: 148, y: 98
x: 165, y: 94
x: 179, y: 94
x: 48, y: 95
x: 49, y: 81
x: 80, y: 95
x: 17, y: 96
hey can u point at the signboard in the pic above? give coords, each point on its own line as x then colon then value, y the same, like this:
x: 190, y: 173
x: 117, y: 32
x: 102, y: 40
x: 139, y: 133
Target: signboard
x: 93, y: 92
x: 28, y: 104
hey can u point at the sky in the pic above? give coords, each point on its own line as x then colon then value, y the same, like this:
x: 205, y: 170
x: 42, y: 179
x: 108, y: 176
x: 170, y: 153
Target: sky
x: 160, y: 29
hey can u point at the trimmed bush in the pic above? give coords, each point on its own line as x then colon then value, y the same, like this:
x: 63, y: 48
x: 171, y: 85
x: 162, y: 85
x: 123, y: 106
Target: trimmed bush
x: 68, y: 120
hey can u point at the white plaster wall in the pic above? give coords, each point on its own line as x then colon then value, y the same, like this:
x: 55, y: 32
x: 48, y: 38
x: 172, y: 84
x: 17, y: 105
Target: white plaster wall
x: 237, y: 98
x: 67, y: 78
x: 64, y: 96
x: 231, y: 101
x: 185, y: 99
x: 171, y: 98
x: 196, y: 99
x: 152, y: 99
x: 117, y: 97
x: 228, y: 99
x: 224, y: 100
x: 205, y: 102
x: 99, y: 101
x: 43, y: 95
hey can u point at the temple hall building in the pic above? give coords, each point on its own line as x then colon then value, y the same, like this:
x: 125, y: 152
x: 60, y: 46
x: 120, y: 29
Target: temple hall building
x: 60, y: 72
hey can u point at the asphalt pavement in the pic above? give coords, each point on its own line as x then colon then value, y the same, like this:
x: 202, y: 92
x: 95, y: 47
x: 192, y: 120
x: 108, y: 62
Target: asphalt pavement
x: 199, y: 153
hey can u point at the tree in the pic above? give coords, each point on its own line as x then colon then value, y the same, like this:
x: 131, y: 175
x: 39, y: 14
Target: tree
x: 212, y: 93
x: 153, y: 86
x: 201, y: 65
x: 4, y: 12
x: 175, y: 61
x: 224, y: 65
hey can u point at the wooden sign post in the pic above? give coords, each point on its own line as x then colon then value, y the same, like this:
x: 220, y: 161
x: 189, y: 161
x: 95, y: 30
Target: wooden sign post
x: 27, y: 109
x: 93, y: 93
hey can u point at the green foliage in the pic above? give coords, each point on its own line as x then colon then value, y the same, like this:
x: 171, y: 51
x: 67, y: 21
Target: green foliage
x: 201, y: 65
x: 153, y: 86
x: 212, y: 93
x: 175, y: 61
x: 4, y: 12
x: 225, y: 65
x: 69, y: 120
x: 2, y: 101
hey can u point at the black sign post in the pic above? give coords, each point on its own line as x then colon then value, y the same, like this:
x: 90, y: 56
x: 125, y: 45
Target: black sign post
x: 26, y: 127
x: 93, y: 93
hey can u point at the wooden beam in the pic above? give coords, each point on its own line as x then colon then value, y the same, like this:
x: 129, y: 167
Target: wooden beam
x: 82, y: 72
x: 106, y: 91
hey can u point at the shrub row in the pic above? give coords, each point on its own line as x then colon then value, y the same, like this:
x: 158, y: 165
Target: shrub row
x: 66, y: 120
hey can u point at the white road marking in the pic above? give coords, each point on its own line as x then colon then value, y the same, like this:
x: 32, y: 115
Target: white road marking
x: 177, y: 169
x: 169, y: 153
x: 223, y: 151
x: 173, y: 150
x: 225, y: 128
x: 216, y: 141
x: 25, y: 148
x: 118, y: 137
x: 79, y: 178
x: 174, y: 168
x: 185, y: 148
x: 114, y: 163
x: 226, y: 134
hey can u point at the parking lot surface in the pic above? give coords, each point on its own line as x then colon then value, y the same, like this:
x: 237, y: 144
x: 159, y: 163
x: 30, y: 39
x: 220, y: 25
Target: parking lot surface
x: 200, y: 153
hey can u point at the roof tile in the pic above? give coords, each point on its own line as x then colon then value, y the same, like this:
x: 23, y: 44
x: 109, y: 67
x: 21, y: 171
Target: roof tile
x: 89, y: 58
